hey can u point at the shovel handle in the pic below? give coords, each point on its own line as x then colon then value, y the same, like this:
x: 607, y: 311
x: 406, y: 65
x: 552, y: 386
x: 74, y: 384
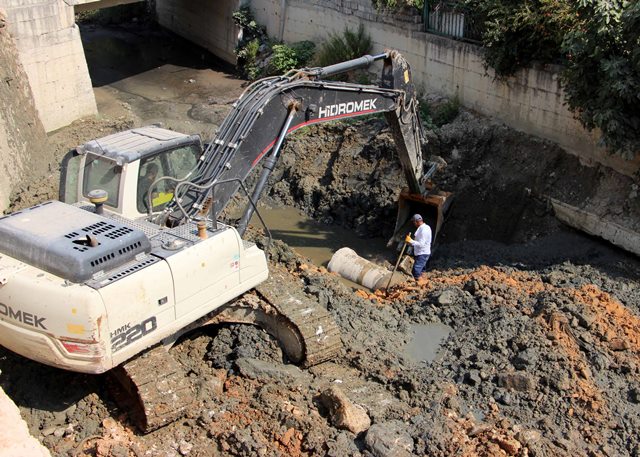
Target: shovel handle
x: 404, y: 247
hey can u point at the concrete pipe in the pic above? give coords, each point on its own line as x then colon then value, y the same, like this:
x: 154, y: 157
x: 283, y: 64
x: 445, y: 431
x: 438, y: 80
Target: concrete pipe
x: 351, y: 266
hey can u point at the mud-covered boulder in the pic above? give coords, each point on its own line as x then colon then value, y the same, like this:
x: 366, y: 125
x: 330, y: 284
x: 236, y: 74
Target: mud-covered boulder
x: 389, y: 439
x: 343, y: 413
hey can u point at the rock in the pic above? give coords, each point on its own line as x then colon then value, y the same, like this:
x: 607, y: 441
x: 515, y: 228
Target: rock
x: 634, y: 395
x: 118, y: 450
x: 525, y: 358
x: 473, y: 378
x: 446, y: 298
x: 509, y: 445
x: 529, y: 436
x: 48, y: 431
x: 70, y: 411
x: 185, y: 448
x: 521, y: 382
x: 389, y: 439
x: 560, y: 382
x: 265, y: 371
x: 343, y: 412
x: 471, y: 286
x: 618, y: 344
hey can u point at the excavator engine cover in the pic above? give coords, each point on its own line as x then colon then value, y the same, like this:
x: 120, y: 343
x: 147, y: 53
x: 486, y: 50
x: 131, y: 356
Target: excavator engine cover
x: 69, y: 242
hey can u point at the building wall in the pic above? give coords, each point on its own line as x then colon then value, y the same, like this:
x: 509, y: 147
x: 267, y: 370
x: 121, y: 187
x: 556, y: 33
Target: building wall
x: 531, y: 101
x: 204, y: 22
x: 51, y: 53
x: 23, y: 142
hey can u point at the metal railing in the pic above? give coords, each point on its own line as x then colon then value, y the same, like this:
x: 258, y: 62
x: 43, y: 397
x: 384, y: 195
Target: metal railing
x: 452, y: 19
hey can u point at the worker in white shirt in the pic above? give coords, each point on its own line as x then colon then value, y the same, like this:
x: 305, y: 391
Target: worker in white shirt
x: 421, y: 245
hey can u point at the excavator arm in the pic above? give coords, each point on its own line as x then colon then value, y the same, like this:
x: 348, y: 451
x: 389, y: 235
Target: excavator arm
x: 273, y: 107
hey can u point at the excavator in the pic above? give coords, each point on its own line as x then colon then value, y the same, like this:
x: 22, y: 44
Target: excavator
x: 136, y: 252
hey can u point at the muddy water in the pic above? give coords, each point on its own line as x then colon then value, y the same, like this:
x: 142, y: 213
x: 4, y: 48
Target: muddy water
x: 426, y: 340
x: 315, y: 240
x: 157, y: 77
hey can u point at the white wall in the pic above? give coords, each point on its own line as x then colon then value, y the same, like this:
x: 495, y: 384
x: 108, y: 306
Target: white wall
x: 531, y: 101
x: 207, y: 23
x: 51, y: 53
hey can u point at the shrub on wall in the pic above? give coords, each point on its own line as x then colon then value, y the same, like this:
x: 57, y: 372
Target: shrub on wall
x: 602, y: 76
x: 516, y: 33
x: 346, y: 46
x: 349, y: 45
x: 259, y: 56
x: 396, y: 4
x: 252, y: 37
x: 598, y: 42
x: 286, y: 57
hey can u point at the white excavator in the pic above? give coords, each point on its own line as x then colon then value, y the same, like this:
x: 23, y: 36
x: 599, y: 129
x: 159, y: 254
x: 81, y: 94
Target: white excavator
x: 135, y: 255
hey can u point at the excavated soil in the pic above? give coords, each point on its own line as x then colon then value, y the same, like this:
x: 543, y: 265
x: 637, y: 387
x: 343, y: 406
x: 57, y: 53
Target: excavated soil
x: 543, y: 353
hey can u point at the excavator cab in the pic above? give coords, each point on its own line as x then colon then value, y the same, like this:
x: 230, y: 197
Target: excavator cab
x: 138, y: 168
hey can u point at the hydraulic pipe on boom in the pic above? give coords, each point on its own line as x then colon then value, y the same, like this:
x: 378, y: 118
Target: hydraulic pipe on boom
x: 349, y: 65
x: 269, y: 165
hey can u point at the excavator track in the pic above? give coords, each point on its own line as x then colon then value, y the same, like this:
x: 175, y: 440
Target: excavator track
x: 319, y: 334
x: 159, y: 390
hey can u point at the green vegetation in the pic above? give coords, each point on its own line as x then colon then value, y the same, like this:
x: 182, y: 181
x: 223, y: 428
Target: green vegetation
x: 297, y: 55
x: 436, y: 115
x: 396, y: 4
x: 259, y: 56
x: 602, y: 76
x: 253, y: 35
x: 519, y: 32
x: 597, y: 41
x: 349, y: 45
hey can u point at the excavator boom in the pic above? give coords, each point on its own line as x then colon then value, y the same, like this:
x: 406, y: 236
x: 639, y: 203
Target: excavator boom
x: 272, y: 108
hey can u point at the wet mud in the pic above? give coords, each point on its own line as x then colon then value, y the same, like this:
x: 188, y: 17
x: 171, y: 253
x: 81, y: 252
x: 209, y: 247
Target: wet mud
x: 541, y: 353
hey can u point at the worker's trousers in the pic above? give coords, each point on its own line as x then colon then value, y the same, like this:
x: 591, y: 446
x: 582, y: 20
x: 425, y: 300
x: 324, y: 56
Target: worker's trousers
x: 419, y: 265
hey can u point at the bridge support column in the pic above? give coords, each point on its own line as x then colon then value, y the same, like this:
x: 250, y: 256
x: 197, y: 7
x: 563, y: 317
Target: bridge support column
x: 50, y: 50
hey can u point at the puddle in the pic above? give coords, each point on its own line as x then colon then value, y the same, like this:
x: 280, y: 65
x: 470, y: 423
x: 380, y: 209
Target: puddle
x: 426, y: 341
x: 315, y: 240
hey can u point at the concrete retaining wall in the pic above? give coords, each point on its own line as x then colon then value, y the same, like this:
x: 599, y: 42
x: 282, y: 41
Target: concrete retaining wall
x: 23, y: 142
x: 51, y: 53
x: 204, y: 22
x: 531, y: 101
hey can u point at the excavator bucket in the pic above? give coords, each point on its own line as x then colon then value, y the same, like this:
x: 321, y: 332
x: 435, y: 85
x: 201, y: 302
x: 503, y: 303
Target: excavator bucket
x: 433, y: 207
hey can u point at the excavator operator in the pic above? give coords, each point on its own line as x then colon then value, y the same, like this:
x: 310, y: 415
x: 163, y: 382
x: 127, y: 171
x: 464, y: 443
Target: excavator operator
x: 151, y: 173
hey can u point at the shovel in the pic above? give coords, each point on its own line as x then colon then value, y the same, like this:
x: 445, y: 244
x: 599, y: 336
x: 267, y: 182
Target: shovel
x: 404, y: 246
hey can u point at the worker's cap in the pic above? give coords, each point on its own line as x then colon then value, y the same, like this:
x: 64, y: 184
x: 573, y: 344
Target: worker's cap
x: 416, y: 217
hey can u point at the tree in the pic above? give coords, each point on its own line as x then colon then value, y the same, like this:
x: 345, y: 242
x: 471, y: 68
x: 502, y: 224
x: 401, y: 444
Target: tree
x: 602, y: 75
x: 597, y: 41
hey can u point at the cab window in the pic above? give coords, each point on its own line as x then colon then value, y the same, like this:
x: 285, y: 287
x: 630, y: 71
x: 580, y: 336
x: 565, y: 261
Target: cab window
x: 175, y: 163
x: 101, y: 173
x: 69, y: 171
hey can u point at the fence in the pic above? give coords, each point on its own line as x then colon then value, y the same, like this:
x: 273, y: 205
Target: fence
x: 453, y: 19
